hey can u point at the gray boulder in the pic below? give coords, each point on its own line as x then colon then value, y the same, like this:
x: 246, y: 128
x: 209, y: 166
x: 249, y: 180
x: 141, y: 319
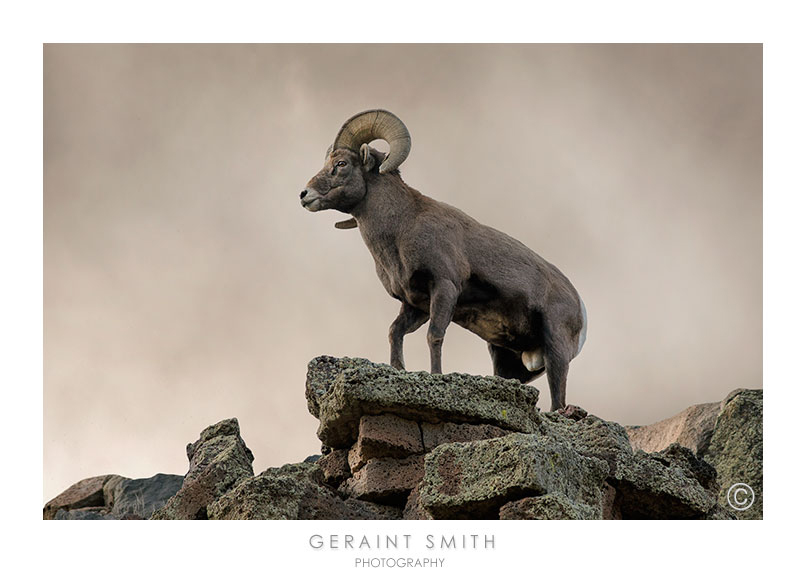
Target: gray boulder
x: 113, y: 497
x: 141, y: 497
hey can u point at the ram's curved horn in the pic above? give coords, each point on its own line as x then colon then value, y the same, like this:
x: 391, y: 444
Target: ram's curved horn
x: 376, y: 124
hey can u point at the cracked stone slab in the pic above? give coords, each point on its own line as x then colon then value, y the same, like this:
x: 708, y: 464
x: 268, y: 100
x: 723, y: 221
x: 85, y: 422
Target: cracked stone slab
x: 476, y: 478
x: 340, y: 391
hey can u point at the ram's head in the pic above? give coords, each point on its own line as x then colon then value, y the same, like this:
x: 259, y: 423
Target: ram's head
x: 342, y: 182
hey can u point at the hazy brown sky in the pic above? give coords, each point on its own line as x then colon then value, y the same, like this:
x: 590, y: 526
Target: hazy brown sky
x: 184, y: 283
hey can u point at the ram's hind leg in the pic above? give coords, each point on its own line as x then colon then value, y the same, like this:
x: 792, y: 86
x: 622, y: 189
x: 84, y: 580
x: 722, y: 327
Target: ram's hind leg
x: 559, y: 352
x: 508, y: 364
x: 408, y: 320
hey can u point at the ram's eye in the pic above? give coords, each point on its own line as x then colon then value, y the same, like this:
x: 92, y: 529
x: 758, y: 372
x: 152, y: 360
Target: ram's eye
x: 341, y: 163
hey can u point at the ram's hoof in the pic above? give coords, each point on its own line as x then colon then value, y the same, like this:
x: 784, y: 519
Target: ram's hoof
x: 575, y: 413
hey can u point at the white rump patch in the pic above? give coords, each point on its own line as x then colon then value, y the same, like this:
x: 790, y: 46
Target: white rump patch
x: 584, y: 332
x: 533, y: 360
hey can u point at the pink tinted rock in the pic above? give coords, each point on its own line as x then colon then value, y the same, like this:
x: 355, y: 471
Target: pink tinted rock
x: 690, y: 428
x: 386, y: 480
x: 87, y: 492
x: 573, y: 412
x: 335, y: 468
x: 384, y: 435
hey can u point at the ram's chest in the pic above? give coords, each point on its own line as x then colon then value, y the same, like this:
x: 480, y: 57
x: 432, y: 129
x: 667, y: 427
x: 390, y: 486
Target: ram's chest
x: 390, y: 273
x: 388, y: 280
x: 414, y: 290
x: 388, y: 264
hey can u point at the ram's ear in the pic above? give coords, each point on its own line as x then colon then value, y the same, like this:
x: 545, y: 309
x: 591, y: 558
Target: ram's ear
x: 367, y: 159
x: 350, y: 223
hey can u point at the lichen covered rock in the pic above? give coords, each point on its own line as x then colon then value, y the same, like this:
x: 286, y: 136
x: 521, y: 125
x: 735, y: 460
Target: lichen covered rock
x: 417, y: 446
x: 736, y: 450
x: 549, y: 507
x: 293, y: 492
x: 474, y: 479
x: 340, y: 392
x: 219, y: 459
x: 590, y: 436
x: 661, y: 486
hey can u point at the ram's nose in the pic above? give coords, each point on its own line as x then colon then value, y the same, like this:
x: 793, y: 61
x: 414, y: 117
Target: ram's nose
x: 302, y: 194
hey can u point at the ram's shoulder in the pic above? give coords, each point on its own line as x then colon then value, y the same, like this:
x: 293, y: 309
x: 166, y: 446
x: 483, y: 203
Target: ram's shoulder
x: 434, y: 216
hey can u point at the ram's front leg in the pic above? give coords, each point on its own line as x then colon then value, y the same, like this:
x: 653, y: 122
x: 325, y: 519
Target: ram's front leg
x: 408, y: 320
x: 443, y: 302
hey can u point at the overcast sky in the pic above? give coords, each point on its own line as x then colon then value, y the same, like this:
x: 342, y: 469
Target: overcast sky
x: 184, y: 283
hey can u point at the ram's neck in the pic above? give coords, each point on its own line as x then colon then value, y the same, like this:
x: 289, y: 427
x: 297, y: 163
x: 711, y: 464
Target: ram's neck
x: 388, y: 206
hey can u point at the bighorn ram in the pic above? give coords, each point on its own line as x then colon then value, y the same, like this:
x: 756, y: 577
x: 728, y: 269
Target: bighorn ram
x: 443, y: 265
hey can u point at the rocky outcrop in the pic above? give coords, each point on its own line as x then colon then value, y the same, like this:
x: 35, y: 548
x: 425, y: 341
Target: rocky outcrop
x: 690, y: 428
x: 340, y: 391
x: 113, y: 497
x: 219, y: 459
x: 416, y: 446
x: 475, y: 461
x: 728, y: 436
